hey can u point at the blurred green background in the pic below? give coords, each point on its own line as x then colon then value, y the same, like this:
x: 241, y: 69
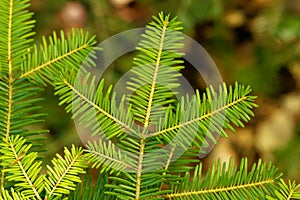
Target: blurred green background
x: 255, y: 42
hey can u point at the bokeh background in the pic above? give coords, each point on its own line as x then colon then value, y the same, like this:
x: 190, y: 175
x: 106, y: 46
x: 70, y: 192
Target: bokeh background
x: 255, y: 42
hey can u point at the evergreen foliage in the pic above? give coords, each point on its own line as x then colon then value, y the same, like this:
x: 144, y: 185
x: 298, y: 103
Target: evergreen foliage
x: 135, y: 166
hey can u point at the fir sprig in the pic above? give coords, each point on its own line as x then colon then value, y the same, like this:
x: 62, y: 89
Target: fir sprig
x: 148, y: 143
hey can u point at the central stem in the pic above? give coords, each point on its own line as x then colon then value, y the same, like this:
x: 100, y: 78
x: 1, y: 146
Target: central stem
x: 139, y: 170
x: 155, y: 74
x: 148, y: 111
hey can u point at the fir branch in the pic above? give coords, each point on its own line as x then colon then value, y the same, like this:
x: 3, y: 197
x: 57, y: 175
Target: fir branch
x: 10, y: 195
x: 222, y: 182
x: 92, y: 106
x: 196, y: 119
x: 143, y: 162
x: 91, y: 190
x: 111, y: 159
x: 285, y: 191
x: 69, y: 51
x: 62, y: 177
x: 18, y: 100
x: 21, y: 167
x: 15, y: 34
x: 156, y: 70
x: 228, y: 103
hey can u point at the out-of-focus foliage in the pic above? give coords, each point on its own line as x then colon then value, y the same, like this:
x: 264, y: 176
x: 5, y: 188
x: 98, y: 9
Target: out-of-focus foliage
x: 288, y: 158
x: 254, y: 41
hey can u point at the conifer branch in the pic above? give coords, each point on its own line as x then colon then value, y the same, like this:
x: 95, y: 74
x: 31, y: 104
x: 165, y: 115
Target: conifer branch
x: 155, y: 74
x: 37, y: 69
x: 144, y: 134
x: 96, y: 107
